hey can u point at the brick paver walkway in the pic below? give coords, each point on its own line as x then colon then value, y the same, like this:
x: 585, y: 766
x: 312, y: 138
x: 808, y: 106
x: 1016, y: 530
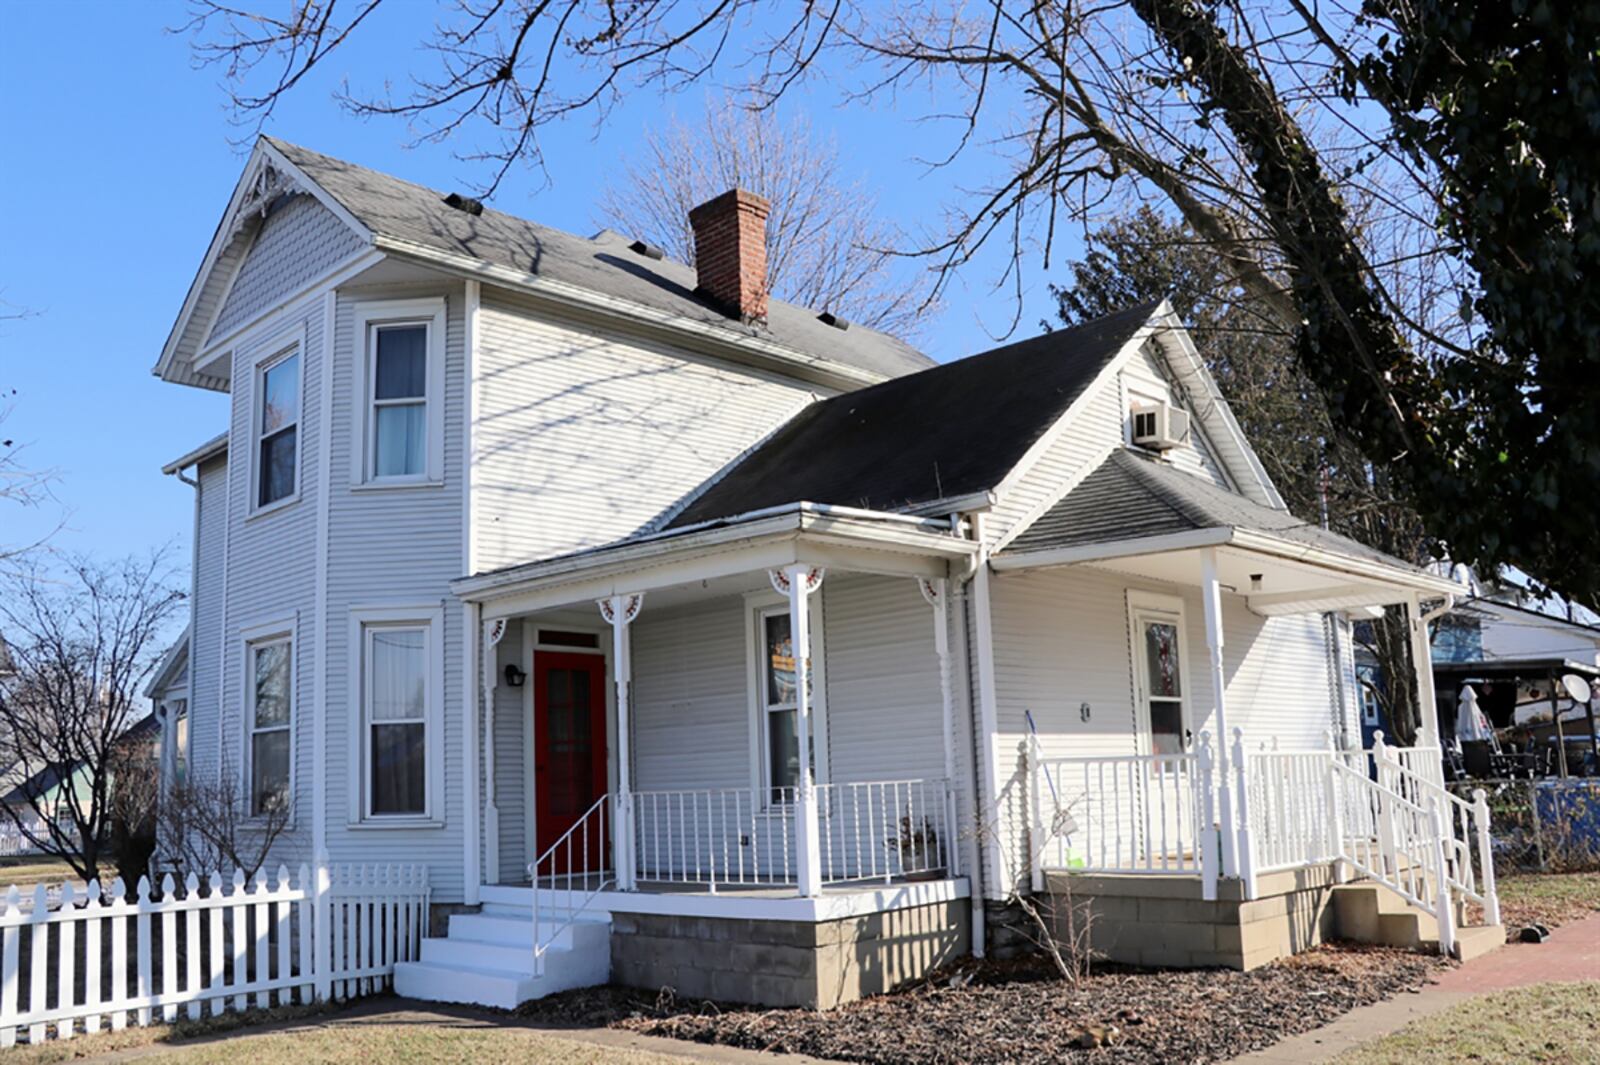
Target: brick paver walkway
x: 1571, y: 953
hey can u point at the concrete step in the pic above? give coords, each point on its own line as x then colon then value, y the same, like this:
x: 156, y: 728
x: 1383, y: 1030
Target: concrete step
x: 506, y: 930
x: 436, y: 982
x: 487, y: 959
x: 1474, y: 941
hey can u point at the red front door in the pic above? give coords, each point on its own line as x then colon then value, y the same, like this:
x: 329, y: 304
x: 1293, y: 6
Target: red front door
x: 569, y: 743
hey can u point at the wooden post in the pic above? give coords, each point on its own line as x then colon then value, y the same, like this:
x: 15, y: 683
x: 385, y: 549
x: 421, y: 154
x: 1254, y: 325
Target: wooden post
x: 619, y: 611
x: 1245, y: 849
x: 1208, y: 836
x: 1480, y: 820
x: 1422, y: 666
x: 1443, y: 910
x: 1561, y: 734
x: 1335, y: 811
x: 800, y: 581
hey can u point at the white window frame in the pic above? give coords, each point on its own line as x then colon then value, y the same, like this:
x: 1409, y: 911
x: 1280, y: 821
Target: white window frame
x: 280, y: 347
x: 759, y: 607
x: 253, y: 638
x: 363, y: 619
x: 369, y: 317
x: 1153, y: 606
x: 181, y: 741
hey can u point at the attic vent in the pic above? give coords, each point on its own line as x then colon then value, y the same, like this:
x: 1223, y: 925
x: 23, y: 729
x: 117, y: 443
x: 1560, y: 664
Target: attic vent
x: 649, y: 251
x: 1160, y: 426
x: 829, y: 318
x: 464, y: 203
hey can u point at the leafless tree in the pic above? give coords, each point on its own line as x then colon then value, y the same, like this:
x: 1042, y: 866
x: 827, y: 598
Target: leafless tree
x: 826, y: 245
x: 84, y: 639
x: 207, y: 826
x: 21, y: 483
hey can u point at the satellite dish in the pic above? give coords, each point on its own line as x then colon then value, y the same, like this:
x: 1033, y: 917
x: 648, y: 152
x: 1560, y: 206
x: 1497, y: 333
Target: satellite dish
x: 1576, y: 687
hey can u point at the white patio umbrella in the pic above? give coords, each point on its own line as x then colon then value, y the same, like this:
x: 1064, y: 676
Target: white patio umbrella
x: 1470, y: 722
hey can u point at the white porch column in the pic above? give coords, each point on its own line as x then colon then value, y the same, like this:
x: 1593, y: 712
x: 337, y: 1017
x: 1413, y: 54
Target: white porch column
x: 619, y: 612
x: 798, y: 582
x: 493, y: 633
x: 1211, y: 596
x: 1422, y: 664
x: 937, y: 593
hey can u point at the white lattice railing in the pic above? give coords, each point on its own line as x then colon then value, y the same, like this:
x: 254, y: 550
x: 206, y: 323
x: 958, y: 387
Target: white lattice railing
x: 100, y: 959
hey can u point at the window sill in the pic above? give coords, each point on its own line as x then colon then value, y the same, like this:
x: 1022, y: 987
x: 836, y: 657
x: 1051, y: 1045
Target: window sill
x: 387, y: 824
x: 274, y: 507
x: 393, y: 486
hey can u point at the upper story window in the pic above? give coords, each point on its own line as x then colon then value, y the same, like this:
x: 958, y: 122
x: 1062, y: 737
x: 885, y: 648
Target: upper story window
x: 277, y: 428
x: 401, y: 384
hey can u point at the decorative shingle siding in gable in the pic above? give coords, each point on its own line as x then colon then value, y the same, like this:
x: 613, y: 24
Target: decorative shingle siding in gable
x: 586, y: 437
x: 298, y: 242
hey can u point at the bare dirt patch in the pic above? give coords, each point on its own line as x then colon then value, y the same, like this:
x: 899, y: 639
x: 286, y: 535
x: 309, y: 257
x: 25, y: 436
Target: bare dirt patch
x: 1019, y: 1011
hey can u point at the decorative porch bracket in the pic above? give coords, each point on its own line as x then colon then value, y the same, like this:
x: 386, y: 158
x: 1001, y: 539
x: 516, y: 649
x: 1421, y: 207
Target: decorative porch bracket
x: 798, y: 582
x: 493, y: 633
x: 618, y: 611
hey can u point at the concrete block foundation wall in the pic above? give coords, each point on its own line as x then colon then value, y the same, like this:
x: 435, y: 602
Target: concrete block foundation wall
x: 810, y: 964
x: 1163, y: 921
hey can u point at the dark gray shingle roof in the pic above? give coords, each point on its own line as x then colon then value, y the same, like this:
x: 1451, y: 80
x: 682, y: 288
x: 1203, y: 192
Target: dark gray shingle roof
x: 1132, y: 495
x: 949, y: 431
x: 394, y: 208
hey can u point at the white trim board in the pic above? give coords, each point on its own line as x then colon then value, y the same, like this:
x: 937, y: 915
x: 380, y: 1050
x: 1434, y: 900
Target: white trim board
x: 833, y: 904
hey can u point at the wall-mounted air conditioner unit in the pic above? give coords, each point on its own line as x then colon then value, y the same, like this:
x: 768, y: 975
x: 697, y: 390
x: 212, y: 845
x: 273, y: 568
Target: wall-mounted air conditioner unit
x: 1160, y: 426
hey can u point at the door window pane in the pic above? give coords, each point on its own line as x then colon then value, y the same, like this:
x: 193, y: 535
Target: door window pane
x: 569, y: 750
x: 1166, y: 726
x: 1161, y: 658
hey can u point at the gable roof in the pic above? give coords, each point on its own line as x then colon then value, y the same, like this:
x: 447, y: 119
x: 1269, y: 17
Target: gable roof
x: 946, y: 432
x: 1132, y: 495
x: 391, y: 208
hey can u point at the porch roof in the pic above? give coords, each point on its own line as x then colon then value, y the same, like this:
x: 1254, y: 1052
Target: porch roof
x: 1138, y: 514
x: 809, y: 533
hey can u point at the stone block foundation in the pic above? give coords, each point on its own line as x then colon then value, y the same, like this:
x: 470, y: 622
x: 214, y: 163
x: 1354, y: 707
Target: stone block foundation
x: 1163, y: 921
x: 811, y: 964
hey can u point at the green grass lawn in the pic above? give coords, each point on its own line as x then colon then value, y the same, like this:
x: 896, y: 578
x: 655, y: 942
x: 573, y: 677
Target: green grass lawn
x: 1549, y: 898
x: 1554, y: 1023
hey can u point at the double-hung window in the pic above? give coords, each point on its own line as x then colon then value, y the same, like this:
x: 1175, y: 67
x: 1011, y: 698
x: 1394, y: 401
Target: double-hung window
x: 277, y: 424
x: 271, y: 709
x: 777, y: 706
x: 402, y: 385
x: 397, y: 720
x: 398, y: 733
x: 178, y: 713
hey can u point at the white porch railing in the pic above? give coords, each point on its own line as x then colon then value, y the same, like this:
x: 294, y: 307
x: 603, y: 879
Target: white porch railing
x: 1127, y: 814
x: 886, y: 830
x: 1384, y: 812
x: 99, y: 960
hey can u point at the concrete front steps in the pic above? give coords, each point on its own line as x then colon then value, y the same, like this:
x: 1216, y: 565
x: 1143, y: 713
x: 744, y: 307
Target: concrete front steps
x: 487, y: 959
x: 1371, y: 913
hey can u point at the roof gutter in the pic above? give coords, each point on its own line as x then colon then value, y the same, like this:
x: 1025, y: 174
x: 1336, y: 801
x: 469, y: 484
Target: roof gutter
x: 566, y: 296
x: 1244, y: 539
x: 871, y: 527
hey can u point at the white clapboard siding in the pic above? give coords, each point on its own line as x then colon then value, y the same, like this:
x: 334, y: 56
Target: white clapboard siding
x: 1061, y: 643
x: 511, y: 773
x: 190, y: 952
x: 1146, y: 375
x: 386, y: 547
x: 1094, y: 429
x: 206, y: 612
x: 299, y: 241
x: 585, y: 436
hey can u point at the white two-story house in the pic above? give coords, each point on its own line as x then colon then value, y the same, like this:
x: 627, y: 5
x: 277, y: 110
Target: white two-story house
x: 694, y: 638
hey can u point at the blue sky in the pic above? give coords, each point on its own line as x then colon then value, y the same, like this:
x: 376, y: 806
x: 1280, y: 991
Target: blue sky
x: 118, y: 162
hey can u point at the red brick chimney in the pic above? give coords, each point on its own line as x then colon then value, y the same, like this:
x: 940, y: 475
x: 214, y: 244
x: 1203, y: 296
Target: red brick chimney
x: 730, y: 252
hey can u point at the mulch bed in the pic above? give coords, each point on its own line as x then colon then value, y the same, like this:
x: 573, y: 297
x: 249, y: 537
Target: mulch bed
x: 1018, y: 1011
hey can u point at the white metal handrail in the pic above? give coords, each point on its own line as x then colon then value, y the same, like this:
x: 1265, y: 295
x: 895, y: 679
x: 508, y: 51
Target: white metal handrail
x: 885, y: 829
x: 572, y: 871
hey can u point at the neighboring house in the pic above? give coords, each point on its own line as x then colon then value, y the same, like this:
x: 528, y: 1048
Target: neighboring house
x: 1515, y: 657
x: 168, y: 692
x: 516, y: 543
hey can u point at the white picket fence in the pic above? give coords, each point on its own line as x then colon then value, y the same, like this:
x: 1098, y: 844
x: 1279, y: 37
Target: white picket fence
x: 102, y: 959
